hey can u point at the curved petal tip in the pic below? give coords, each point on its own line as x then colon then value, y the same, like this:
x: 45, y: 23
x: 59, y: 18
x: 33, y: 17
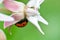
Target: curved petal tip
x: 41, y: 19
x: 34, y: 21
x: 2, y: 35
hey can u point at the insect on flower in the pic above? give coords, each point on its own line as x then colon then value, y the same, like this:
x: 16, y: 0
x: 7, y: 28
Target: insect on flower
x: 22, y: 13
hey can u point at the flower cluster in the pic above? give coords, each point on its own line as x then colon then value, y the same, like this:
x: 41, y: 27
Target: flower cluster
x: 20, y: 11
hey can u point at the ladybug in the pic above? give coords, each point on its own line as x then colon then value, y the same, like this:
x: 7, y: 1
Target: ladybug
x: 22, y: 23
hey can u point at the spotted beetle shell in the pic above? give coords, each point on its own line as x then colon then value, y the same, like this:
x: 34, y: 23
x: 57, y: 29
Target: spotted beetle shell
x: 22, y: 23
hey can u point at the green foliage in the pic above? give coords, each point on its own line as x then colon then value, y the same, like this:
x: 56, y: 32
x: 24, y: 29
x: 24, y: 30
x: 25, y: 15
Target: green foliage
x: 50, y: 10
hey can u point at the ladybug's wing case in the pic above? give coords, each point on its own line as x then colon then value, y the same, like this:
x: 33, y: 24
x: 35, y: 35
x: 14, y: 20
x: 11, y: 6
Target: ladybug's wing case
x: 17, y: 17
x: 22, y: 22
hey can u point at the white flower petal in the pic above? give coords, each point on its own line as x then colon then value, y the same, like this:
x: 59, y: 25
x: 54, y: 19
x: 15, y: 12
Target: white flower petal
x: 31, y: 3
x: 34, y: 21
x: 31, y: 12
x: 38, y: 3
x: 4, y: 17
x: 35, y: 3
x: 41, y: 19
x: 2, y: 35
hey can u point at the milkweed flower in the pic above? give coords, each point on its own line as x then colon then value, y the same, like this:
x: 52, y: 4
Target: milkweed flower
x: 2, y: 35
x: 20, y: 11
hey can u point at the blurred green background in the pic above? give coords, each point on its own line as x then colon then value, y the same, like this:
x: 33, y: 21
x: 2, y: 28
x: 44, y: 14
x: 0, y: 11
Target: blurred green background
x: 50, y: 10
